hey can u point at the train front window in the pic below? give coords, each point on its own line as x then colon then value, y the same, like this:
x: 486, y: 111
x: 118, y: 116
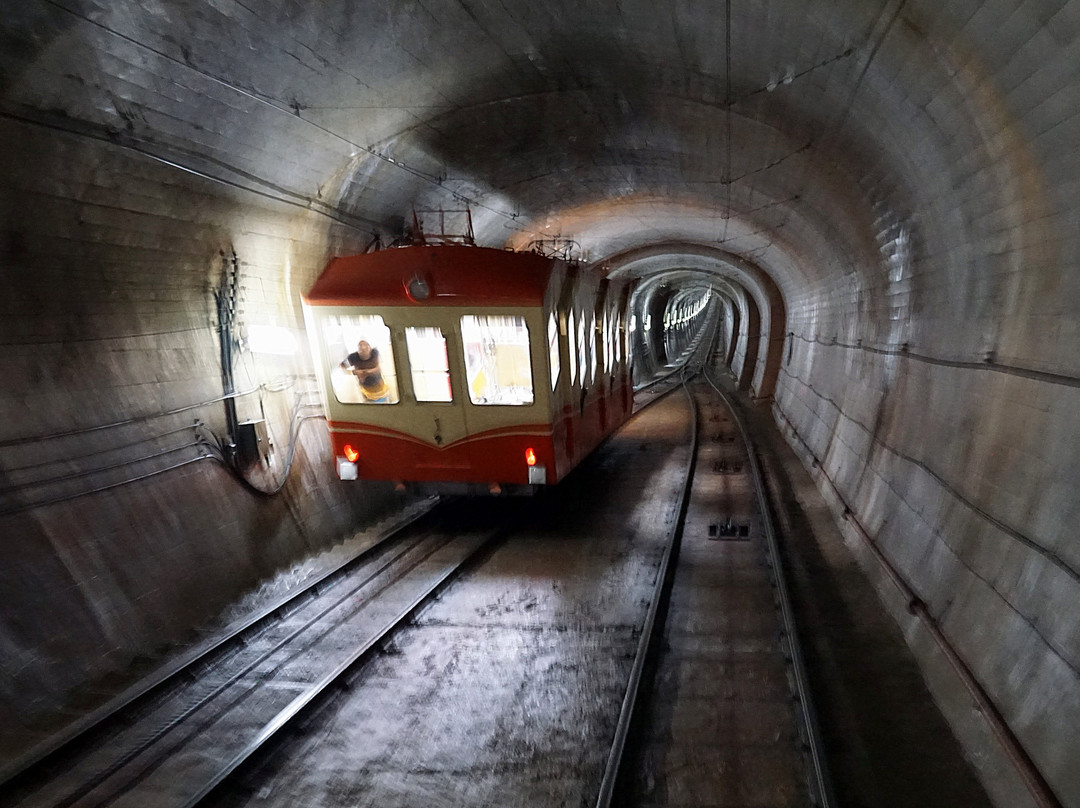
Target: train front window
x: 361, y: 359
x: 498, y: 367
x: 429, y: 364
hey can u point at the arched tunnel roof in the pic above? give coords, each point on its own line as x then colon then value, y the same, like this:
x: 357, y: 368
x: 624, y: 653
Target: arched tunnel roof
x: 820, y: 141
x: 889, y: 189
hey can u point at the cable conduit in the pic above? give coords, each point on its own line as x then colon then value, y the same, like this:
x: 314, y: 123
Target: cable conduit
x: 1033, y: 374
x: 1005, y: 528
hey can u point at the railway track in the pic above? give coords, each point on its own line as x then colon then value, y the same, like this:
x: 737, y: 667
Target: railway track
x: 178, y: 737
x: 196, y: 734
x: 617, y: 785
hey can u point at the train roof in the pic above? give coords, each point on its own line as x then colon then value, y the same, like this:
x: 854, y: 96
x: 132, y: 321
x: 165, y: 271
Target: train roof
x: 456, y: 275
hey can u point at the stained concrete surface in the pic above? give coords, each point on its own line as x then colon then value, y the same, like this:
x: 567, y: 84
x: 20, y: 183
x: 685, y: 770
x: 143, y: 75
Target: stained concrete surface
x: 717, y: 723
x: 888, y: 186
x: 889, y: 744
x: 507, y: 690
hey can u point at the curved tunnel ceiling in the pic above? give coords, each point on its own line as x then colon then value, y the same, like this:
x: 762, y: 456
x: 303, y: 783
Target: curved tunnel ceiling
x: 801, y: 142
x: 887, y: 191
x: 816, y: 140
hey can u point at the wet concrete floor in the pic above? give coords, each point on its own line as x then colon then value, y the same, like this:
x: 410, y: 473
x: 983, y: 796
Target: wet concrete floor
x: 505, y: 693
x: 718, y: 725
x: 507, y: 690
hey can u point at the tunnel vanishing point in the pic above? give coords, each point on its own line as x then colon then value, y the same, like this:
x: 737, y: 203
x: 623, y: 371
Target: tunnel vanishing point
x: 883, y: 194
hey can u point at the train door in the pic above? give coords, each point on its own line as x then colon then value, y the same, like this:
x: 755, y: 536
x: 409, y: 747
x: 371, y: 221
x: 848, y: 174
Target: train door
x: 502, y: 353
x: 436, y: 416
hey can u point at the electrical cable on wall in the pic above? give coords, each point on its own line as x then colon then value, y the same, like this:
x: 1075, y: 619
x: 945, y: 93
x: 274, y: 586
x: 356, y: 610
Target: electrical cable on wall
x: 35, y: 481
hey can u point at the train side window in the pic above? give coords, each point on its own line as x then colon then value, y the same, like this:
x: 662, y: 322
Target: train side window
x: 498, y: 368
x: 570, y: 350
x: 429, y: 364
x: 609, y: 347
x: 361, y: 359
x: 614, y: 325
x: 592, y: 349
x: 553, y: 349
x: 620, y: 331
x: 583, y: 357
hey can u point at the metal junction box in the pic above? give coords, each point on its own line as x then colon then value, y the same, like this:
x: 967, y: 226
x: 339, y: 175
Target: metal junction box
x: 252, y: 442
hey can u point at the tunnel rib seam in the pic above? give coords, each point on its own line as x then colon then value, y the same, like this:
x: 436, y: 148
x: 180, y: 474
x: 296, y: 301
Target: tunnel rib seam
x: 1033, y: 374
x: 1004, y: 527
x: 1030, y: 622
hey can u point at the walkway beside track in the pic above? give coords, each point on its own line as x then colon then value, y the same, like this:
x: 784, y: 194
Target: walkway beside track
x: 720, y: 725
x: 888, y: 745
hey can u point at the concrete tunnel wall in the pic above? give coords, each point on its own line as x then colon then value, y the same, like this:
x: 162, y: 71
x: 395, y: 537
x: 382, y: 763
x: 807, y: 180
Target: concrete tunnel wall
x: 761, y: 314
x: 906, y: 173
x: 109, y: 267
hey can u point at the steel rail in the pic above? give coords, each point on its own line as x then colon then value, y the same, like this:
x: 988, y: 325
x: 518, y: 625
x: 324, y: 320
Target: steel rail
x: 56, y: 745
x: 310, y: 697
x: 821, y: 787
x: 228, y: 682
x: 664, y: 579
x: 688, y: 355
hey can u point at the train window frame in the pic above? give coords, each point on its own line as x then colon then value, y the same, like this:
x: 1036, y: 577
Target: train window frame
x: 609, y: 348
x: 571, y: 347
x: 351, y: 329
x: 591, y: 335
x: 582, y: 350
x: 553, y: 350
x: 479, y: 331
x: 423, y: 367
x: 620, y: 335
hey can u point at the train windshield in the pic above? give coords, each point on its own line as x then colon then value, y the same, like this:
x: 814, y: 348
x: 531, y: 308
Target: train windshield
x: 361, y: 359
x: 429, y: 364
x: 498, y: 368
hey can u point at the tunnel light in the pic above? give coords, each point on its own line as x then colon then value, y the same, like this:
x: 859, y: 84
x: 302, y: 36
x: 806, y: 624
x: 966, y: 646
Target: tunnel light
x: 350, y: 453
x: 530, y: 457
x: 271, y: 339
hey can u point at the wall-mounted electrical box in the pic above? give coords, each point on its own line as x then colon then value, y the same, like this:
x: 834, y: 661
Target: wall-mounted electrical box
x: 252, y: 443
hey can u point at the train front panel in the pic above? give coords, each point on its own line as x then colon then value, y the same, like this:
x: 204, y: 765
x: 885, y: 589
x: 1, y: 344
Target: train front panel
x: 459, y: 393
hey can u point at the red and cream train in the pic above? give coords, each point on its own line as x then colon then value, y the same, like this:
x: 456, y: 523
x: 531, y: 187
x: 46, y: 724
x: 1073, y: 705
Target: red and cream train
x: 450, y: 363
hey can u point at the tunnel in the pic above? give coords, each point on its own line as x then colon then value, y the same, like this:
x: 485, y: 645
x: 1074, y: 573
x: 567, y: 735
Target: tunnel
x: 881, y: 196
